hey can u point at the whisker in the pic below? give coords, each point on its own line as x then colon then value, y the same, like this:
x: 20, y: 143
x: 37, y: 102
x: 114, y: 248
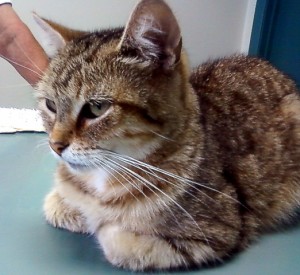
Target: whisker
x: 148, y: 183
x: 161, y: 136
x: 150, y: 202
x: 101, y: 164
x: 148, y: 198
x: 182, y: 179
x: 20, y: 65
x: 31, y: 61
x: 42, y: 143
x: 120, y: 167
x: 112, y: 174
x: 149, y: 172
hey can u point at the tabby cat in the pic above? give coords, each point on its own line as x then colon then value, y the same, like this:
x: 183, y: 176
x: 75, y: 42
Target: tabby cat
x: 167, y: 168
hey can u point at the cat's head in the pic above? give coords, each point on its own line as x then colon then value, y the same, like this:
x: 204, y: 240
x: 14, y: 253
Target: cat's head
x: 120, y: 90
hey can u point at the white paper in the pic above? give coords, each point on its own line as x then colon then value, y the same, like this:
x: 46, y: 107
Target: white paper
x: 14, y: 120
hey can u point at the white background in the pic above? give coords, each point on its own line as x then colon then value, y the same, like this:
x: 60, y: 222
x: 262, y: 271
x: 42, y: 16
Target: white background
x: 210, y: 28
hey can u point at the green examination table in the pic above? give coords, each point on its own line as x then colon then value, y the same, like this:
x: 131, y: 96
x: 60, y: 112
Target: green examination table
x: 29, y: 246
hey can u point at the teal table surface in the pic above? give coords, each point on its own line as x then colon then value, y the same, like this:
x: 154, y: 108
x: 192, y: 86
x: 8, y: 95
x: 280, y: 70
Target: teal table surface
x: 28, y: 245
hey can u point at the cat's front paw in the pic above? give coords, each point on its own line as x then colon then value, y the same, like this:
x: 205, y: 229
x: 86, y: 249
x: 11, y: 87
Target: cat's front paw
x: 61, y: 215
x: 137, y: 252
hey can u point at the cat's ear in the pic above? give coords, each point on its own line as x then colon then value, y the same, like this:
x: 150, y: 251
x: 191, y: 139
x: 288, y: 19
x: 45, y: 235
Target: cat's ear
x: 50, y: 39
x: 153, y: 33
x: 53, y: 36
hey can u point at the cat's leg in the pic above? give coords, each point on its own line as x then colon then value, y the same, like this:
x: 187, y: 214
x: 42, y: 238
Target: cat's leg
x: 61, y: 215
x: 143, y: 252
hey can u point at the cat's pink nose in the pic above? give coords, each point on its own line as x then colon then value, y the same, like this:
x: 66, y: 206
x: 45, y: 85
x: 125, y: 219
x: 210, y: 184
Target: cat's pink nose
x: 58, y: 146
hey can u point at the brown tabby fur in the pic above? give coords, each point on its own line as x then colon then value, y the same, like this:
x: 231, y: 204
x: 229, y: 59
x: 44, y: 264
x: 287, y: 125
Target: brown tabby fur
x: 227, y: 136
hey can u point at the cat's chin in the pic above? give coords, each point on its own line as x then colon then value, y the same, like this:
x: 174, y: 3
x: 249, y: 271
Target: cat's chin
x: 75, y: 167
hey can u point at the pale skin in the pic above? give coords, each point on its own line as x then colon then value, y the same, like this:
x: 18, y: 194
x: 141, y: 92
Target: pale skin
x: 19, y: 47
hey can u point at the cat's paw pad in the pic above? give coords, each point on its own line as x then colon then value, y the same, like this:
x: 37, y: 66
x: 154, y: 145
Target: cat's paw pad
x: 60, y: 215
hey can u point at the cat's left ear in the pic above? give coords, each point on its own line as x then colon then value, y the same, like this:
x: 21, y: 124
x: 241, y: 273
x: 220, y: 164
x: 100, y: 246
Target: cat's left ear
x: 153, y: 33
x: 53, y: 36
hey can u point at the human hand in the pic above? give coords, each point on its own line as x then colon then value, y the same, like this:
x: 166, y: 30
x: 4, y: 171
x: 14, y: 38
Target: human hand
x: 19, y: 47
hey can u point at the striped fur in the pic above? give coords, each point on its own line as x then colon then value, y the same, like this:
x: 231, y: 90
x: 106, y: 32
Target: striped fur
x: 177, y: 169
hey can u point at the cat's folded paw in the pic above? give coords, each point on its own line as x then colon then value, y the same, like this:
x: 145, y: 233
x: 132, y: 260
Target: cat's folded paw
x: 137, y: 252
x: 61, y: 215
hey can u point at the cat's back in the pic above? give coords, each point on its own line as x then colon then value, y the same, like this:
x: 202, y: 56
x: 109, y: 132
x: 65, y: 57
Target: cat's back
x: 238, y: 90
x: 247, y: 106
x: 250, y: 113
x: 244, y: 79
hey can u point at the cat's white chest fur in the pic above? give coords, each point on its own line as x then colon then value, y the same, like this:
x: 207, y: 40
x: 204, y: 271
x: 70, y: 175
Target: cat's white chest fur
x: 97, y: 180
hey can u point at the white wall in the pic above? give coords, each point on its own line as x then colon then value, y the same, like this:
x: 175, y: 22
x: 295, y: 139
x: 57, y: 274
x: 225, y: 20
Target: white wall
x: 210, y: 28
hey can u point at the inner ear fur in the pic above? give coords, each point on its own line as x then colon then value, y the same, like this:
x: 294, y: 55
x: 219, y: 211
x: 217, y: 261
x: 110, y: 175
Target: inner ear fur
x: 67, y: 33
x: 152, y: 31
x: 54, y: 36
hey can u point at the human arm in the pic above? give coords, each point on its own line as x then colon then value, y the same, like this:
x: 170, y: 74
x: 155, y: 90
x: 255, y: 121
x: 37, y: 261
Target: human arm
x: 19, y: 47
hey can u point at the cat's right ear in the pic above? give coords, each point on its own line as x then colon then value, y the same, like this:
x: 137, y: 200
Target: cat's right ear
x: 53, y: 36
x: 50, y: 39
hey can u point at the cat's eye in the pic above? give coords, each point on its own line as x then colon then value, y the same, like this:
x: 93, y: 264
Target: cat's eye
x: 95, y: 109
x: 51, y: 105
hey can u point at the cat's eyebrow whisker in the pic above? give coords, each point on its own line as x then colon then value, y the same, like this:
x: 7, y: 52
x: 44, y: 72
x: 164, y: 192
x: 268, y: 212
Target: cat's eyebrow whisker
x: 148, y: 183
x: 20, y: 65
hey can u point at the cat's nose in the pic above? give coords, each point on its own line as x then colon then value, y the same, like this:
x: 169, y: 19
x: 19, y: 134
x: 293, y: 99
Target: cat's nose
x: 58, y: 146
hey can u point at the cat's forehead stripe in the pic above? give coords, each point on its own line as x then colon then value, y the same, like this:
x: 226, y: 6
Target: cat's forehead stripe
x: 80, y: 52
